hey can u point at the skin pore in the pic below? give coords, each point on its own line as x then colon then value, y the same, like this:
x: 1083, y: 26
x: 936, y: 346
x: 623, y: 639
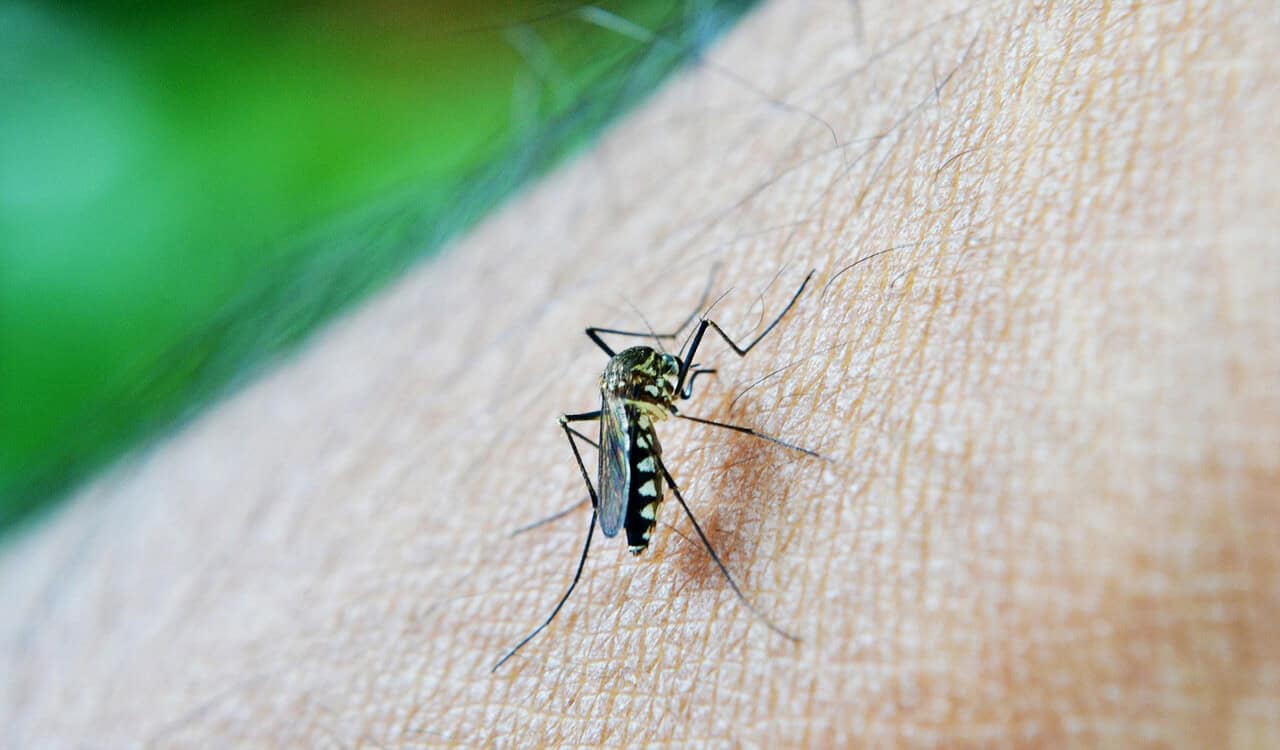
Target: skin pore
x: 1050, y: 513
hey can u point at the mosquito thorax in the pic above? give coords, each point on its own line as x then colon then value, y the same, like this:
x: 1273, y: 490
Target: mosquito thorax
x: 642, y: 376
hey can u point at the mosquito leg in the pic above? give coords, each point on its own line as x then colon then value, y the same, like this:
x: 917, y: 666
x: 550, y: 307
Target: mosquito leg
x: 741, y: 351
x: 693, y: 375
x: 586, y: 439
x: 569, y: 433
x: 671, y: 482
x: 576, y: 577
x: 560, y: 513
x: 753, y: 433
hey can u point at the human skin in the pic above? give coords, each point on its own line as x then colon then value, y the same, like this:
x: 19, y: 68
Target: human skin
x: 1050, y: 509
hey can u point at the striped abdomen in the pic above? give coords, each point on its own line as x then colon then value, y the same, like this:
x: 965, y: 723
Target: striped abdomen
x: 645, y: 491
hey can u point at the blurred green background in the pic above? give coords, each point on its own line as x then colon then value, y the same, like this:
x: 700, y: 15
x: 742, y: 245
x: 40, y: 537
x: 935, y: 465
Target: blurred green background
x: 187, y: 192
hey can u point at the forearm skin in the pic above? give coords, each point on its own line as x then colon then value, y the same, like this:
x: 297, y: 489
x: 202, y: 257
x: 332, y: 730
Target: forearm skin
x: 1050, y: 513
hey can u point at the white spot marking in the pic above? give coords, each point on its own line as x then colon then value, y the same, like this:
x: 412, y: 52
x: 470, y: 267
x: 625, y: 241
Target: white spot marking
x: 646, y: 465
x: 648, y: 511
x: 648, y: 489
x: 642, y: 441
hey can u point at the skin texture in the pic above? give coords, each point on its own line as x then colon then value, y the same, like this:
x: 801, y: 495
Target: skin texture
x: 1051, y: 510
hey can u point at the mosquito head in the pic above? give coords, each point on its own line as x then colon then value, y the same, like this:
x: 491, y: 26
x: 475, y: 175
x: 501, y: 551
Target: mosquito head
x: 641, y: 374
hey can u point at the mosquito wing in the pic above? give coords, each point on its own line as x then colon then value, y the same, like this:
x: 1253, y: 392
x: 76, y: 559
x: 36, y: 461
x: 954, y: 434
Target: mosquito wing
x: 614, y: 472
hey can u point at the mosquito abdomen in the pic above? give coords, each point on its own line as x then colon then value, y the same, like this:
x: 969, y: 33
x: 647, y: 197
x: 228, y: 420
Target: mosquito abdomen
x: 645, y: 493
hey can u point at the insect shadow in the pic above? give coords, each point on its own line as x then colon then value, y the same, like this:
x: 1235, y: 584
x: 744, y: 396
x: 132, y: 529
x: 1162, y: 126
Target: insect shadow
x: 639, y: 387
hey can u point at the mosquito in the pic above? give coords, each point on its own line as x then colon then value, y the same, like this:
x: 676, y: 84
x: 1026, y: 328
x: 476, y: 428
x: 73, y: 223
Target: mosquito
x: 639, y: 387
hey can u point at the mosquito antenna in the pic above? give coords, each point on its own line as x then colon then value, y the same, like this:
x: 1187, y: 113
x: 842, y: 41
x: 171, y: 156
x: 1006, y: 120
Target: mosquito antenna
x: 702, y: 300
x: 649, y: 327
x: 594, y: 332
x: 717, y: 301
x: 704, y: 315
x: 671, y: 482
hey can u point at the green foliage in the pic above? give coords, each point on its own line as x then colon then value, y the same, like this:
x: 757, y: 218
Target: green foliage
x: 187, y: 194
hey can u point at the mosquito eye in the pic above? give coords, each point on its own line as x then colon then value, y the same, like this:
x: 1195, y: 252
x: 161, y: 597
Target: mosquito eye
x: 670, y: 364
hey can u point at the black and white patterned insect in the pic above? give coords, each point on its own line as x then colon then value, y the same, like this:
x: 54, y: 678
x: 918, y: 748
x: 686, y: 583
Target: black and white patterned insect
x: 639, y: 387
